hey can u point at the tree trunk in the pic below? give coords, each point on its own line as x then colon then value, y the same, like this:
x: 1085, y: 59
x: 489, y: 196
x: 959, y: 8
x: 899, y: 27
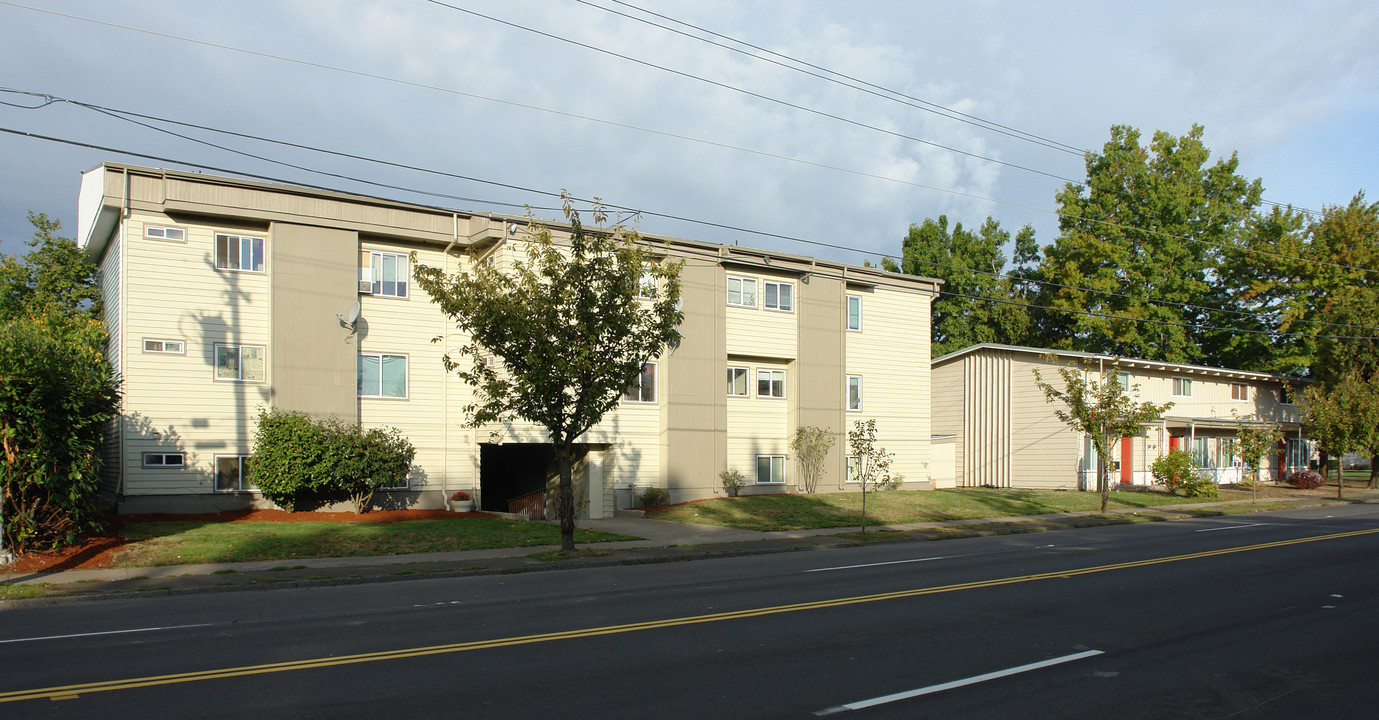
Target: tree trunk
x: 565, y: 495
x: 1102, y: 485
x: 1374, y: 472
x: 1325, y: 464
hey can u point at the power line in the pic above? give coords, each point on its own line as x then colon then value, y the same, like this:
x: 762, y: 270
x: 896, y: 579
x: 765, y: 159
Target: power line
x: 833, y: 76
x: 267, y: 178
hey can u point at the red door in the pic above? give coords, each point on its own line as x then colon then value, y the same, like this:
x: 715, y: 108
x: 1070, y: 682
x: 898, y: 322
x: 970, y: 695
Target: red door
x: 1172, y: 443
x: 1127, y: 473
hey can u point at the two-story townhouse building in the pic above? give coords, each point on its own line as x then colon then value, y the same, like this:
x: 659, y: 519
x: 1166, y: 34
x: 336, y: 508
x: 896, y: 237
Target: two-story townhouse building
x: 1007, y: 434
x: 225, y: 297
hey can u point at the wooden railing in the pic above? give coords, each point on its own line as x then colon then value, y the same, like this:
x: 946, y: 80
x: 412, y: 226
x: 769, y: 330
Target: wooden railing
x: 532, y: 505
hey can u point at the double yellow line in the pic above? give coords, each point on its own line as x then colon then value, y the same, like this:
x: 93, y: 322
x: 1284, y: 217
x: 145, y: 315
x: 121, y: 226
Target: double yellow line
x: 68, y: 692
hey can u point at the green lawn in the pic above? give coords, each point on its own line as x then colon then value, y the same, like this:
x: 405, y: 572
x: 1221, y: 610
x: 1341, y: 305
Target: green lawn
x: 799, y: 512
x: 184, y: 542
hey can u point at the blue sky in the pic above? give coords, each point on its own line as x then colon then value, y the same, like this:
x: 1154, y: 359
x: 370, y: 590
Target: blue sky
x: 1291, y: 87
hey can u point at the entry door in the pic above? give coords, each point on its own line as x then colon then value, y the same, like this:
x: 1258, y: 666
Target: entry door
x: 1127, y: 472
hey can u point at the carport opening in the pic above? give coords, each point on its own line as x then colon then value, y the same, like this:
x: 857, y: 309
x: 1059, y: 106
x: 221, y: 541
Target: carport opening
x: 512, y: 471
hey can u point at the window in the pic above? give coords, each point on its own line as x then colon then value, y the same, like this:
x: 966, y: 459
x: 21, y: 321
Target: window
x: 1199, y: 452
x: 770, y: 469
x: 737, y: 381
x: 239, y: 362
x: 854, y: 312
x: 1296, y: 453
x: 1123, y: 380
x: 646, y: 284
x: 175, y: 347
x: 235, y: 252
x: 383, y: 376
x: 742, y: 291
x: 780, y: 296
x: 854, y: 469
x: 165, y: 233
x: 232, y: 473
x: 1225, y: 452
x: 1240, y: 391
x: 1182, y: 387
x: 1285, y: 395
x: 643, y: 389
x: 771, y: 383
x: 165, y: 460
x: 383, y: 273
x: 854, y: 392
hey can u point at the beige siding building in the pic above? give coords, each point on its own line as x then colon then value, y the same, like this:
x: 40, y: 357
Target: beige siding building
x: 225, y: 297
x: 1007, y: 434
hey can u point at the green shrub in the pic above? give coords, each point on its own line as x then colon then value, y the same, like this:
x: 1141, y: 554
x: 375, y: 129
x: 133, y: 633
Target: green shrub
x: 57, y: 395
x: 655, y: 497
x: 1175, y: 470
x: 297, y: 456
x: 733, y: 482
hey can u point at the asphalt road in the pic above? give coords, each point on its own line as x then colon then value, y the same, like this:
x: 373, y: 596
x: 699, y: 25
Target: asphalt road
x: 1259, y: 616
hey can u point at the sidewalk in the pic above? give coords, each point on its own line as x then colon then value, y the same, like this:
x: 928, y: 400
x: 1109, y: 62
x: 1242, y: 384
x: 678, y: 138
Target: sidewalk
x: 662, y: 541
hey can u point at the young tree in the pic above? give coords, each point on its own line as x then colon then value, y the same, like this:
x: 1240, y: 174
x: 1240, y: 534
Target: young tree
x: 811, y: 445
x: 569, y: 328
x: 1253, y: 441
x: 873, y: 463
x: 1341, y: 417
x: 1100, y: 409
x: 977, y: 305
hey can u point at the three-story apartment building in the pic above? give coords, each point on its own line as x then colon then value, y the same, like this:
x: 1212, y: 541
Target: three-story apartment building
x: 225, y: 297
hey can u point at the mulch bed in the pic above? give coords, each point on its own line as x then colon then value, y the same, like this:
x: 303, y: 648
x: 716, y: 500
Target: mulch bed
x: 98, y: 551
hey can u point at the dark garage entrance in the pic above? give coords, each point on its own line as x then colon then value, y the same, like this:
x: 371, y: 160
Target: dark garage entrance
x: 512, y: 470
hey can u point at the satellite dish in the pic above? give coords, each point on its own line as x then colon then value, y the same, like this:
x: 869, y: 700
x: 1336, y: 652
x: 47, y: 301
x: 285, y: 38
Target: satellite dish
x: 352, y: 318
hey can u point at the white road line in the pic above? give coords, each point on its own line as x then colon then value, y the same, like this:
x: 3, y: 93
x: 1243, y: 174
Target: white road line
x: 107, y: 632
x: 892, y: 562
x: 1230, y: 527
x: 863, y: 704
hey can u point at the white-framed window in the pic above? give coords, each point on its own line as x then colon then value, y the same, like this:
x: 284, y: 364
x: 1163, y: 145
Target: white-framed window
x: 643, y: 389
x: 737, y: 382
x: 164, y: 460
x: 240, y: 363
x: 854, y: 469
x: 174, y: 347
x: 161, y: 232
x: 1123, y: 380
x: 854, y: 392
x: 779, y: 296
x: 854, y: 319
x: 742, y: 291
x: 232, y: 474
x: 770, y: 383
x: 770, y: 469
x: 1182, y: 387
x: 384, y: 273
x: 646, y: 284
x: 239, y: 252
x: 382, y: 375
x: 1240, y: 391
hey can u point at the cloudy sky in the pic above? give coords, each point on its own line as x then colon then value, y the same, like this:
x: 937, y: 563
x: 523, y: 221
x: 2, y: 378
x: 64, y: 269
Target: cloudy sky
x: 970, y: 109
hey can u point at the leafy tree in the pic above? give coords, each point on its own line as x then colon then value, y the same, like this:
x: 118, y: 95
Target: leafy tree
x: 873, y: 470
x: 1253, y: 442
x: 569, y: 328
x: 1100, y: 409
x: 55, y: 274
x: 811, y: 445
x: 977, y: 305
x: 366, y: 460
x: 1146, y: 226
x: 57, y: 392
x: 1341, y: 417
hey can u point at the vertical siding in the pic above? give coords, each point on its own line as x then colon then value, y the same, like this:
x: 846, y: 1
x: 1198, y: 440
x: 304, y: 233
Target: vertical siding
x: 1045, y: 452
x: 987, y: 424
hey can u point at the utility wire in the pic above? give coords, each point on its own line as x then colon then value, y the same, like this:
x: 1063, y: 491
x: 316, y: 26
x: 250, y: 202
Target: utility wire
x: 1277, y: 334
x: 119, y: 115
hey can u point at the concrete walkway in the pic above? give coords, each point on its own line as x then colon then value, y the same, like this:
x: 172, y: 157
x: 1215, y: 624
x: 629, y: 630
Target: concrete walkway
x: 661, y: 541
